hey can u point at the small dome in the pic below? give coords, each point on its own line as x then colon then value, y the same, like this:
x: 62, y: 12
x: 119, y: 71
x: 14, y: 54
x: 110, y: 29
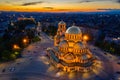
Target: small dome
x: 78, y: 45
x: 61, y: 22
x: 84, y: 57
x: 73, y: 30
x: 69, y: 56
x: 63, y: 44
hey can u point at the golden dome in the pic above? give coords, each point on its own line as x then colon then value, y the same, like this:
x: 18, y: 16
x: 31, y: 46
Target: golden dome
x: 84, y: 57
x: 63, y: 44
x: 73, y: 30
x: 71, y: 52
x: 78, y: 45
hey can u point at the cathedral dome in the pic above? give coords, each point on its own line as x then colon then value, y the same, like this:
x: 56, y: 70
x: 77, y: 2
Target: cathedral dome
x: 78, y: 45
x: 73, y: 30
x: 63, y: 44
x: 84, y: 56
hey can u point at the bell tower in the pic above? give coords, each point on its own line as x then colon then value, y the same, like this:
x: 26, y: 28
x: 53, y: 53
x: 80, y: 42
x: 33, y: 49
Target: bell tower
x: 60, y: 32
x: 61, y: 28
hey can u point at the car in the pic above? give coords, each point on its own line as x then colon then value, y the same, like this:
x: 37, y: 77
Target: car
x: 12, y: 69
x: 116, y: 76
x: 34, y: 51
x: 94, y: 49
x: 30, y: 58
x: 105, y: 53
x: 44, y: 48
x: 18, y: 63
x: 118, y: 72
x: 3, y: 70
x: 9, y: 68
x: 110, y: 56
x: 28, y: 51
x: 118, y: 62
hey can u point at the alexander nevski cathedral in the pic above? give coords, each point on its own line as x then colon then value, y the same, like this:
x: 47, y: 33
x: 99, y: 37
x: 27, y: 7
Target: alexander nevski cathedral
x: 70, y: 52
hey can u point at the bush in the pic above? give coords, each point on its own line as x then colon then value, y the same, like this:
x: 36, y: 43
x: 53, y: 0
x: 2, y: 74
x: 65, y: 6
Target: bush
x: 8, y: 55
x: 36, y: 38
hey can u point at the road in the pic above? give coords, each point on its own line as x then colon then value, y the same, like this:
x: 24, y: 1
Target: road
x: 106, y: 57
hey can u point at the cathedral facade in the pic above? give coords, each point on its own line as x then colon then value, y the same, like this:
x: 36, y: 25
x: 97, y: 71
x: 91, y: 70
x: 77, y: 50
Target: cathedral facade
x: 70, y: 52
x: 60, y: 33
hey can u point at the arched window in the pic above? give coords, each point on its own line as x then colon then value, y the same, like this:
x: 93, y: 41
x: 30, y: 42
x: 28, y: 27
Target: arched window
x: 70, y: 37
x: 81, y: 50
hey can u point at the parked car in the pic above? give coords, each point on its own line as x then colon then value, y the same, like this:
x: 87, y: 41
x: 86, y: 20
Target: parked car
x: 117, y: 75
x: 118, y: 62
x: 118, y: 72
x: 13, y: 69
x: 3, y: 70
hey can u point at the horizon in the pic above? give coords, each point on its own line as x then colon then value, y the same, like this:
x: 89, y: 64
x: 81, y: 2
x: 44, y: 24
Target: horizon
x: 102, y: 11
x: 59, y: 6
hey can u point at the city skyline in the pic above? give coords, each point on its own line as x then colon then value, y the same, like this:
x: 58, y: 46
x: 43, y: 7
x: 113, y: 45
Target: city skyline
x: 59, y: 5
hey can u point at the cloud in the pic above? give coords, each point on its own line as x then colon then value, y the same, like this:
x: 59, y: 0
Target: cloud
x: 118, y: 1
x: 85, y: 1
x: 48, y: 7
x: 108, y: 9
x: 64, y: 9
x: 32, y: 3
x: 7, y: 2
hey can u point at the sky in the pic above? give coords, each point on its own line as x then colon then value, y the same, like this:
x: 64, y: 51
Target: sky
x: 59, y: 5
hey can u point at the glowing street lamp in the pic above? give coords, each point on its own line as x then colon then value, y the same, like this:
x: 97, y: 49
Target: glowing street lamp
x: 24, y: 40
x: 85, y: 38
x: 15, y: 46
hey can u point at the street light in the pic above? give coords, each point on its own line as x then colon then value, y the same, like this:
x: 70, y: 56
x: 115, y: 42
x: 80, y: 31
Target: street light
x: 85, y: 38
x: 15, y: 46
x: 24, y: 40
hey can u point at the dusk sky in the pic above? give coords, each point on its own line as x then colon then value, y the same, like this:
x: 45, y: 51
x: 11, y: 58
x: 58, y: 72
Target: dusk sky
x: 59, y: 5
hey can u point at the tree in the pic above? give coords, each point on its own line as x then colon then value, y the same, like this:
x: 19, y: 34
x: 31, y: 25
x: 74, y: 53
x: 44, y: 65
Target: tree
x: 7, y: 55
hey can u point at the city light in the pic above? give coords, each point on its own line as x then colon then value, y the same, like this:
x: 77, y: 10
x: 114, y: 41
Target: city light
x: 25, y: 40
x: 35, y: 44
x: 15, y: 46
x: 85, y: 37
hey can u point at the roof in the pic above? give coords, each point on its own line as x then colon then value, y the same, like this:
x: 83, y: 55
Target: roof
x: 61, y: 22
x: 73, y: 30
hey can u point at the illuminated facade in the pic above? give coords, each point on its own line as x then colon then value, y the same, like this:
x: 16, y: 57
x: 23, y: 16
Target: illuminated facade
x: 60, y: 33
x: 71, y: 53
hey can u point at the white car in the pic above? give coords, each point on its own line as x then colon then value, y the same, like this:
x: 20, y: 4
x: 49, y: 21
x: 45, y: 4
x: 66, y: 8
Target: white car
x: 12, y: 69
x: 117, y: 76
